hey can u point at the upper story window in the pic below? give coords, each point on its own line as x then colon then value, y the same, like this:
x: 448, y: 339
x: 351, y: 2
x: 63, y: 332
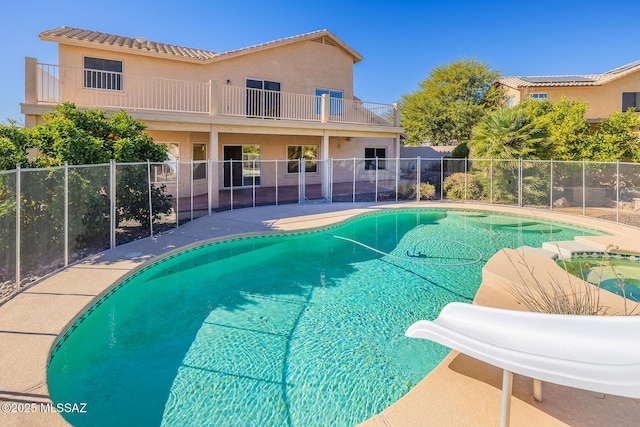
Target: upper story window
x: 263, y: 98
x: 335, y: 100
x: 102, y: 73
x: 539, y: 96
x: 630, y: 100
x: 511, y: 101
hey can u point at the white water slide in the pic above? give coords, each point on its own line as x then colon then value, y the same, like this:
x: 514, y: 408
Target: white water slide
x: 597, y: 353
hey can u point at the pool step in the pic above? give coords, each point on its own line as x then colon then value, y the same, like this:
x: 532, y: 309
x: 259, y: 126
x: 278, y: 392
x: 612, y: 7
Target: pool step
x: 543, y: 253
x: 567, y: 249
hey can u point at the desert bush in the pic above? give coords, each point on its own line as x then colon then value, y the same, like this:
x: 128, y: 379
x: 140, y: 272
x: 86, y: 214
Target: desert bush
x: 454, y: 187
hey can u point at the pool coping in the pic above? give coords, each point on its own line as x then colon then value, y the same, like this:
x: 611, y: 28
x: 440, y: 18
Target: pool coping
x: 32, y: 321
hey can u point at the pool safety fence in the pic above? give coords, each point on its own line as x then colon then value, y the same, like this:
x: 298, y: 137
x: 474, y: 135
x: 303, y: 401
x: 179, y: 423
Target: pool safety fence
x: 53, y: 217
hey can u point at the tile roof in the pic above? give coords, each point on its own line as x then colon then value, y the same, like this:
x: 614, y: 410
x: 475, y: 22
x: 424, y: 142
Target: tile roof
x: 112, y: 40
x: 78, y: 36
x: 570, y: 81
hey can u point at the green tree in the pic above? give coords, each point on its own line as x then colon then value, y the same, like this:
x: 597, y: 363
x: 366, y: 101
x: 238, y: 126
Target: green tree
x: 84, y: 137
x: 565, y: 123
x: 450, y: 102
x: 15, y: 144
x: 616, y: 139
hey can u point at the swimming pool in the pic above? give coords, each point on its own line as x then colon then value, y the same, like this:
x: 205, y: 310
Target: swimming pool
x: 618, y: 273
x: 292, y: 329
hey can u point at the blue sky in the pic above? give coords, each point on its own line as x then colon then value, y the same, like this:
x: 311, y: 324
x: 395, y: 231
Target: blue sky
x: 401, y: 41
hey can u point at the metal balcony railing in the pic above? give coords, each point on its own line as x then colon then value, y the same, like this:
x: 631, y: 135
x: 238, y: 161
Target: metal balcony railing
x: 104, y: 89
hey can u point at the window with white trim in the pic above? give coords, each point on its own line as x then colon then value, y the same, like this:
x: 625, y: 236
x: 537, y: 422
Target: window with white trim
x: 539, y: 96
x: 370, y: 156
x: 335, y: 100
x: 511, y: 101
x: 296, y: 153
x: 102, y: 73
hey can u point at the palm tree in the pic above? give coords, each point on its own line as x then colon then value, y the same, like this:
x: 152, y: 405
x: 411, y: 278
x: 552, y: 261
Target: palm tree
x: 511, y: 134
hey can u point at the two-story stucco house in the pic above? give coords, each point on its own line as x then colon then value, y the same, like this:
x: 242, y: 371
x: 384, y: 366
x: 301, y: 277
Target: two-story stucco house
x: 615, y: 90
x: 291, y: 99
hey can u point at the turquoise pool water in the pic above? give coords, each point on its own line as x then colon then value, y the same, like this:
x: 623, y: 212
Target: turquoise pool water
x: 620, y: 276
x: 303, y: 329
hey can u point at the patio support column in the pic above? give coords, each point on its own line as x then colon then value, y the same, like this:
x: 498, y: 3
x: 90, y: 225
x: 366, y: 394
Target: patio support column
x: 324, y: 157
x: 214, y: 176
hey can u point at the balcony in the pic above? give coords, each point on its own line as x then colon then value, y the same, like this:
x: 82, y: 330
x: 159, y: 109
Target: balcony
x: 108, y: 90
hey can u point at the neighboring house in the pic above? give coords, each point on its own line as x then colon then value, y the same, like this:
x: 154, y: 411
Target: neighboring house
x: 288, y: 99
x: 615, y: 90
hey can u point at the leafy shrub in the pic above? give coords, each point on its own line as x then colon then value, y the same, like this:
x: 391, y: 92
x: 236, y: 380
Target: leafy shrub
x: 427, y: 191
x: 407, y: 191
x: 454, y: 187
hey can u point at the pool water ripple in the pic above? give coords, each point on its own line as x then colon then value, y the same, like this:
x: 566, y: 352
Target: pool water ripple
x: 292, y: 330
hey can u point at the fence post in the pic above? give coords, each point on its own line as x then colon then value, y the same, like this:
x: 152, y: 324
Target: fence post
x: 66, y: 214
x: 150, y: 198
x: 253, y: 180
x: 441, y: 178
x: 418, y: 167
x: 376, y: 179
x: 584, y: 189
x: 551, y: 186
x: 231, y: 183
x: 397, y: 173
x: 618, y: 191
x: 353, y: 195
x: 330, y: 179
x: 177, y: 194
x: 18, y: 227
x: 112, y: 203
x: 210, y: 185
x: 491, y: 181
x: 520, y: 182
x: 276, y: 182
x: 191, y: 189
x: 465, y: 179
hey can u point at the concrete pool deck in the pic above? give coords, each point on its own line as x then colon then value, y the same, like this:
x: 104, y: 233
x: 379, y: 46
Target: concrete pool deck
x: 460, y: 391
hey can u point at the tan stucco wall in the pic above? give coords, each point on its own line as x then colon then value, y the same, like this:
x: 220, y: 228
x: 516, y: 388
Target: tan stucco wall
x: 274, y: 147
x: 299, y: 67
x: 603, y: 100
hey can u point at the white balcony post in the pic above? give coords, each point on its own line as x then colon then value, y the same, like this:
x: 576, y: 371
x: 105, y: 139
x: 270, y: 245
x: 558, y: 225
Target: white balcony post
x: 396, y: 115
x: 30, y: 80
x: 324, y: 108
x: 213, y: 101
